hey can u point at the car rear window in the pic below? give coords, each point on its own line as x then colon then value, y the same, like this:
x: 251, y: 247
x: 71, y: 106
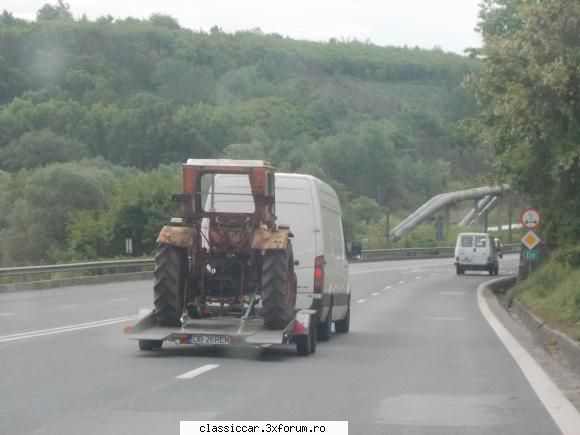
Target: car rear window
x: 480, y: 241
x: 466, y: 241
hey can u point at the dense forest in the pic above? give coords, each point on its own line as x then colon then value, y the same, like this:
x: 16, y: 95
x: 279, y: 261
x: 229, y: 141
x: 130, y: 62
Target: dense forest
x: 96, y: 116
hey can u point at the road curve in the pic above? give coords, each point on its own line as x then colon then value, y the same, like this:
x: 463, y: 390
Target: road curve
x: 420, y: 359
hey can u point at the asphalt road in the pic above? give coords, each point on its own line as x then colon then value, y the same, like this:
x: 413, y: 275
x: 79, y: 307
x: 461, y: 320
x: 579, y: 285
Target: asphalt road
x: 420, y: 359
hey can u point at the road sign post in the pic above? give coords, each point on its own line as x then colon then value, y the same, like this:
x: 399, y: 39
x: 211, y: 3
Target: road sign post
x: 531, y: 254
x: 531, y: 219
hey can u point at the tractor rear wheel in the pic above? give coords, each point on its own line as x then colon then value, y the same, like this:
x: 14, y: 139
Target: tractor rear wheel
x: 169, y: 284
x: 278, y: 288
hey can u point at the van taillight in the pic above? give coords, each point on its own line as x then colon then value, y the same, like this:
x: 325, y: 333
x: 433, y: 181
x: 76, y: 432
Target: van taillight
x: 319, y: 274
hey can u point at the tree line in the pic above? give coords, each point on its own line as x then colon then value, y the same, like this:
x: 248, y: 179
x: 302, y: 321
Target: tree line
x: 95, y: 117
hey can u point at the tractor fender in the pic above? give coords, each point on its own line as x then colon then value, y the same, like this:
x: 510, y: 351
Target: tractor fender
x: 181, y: 237
x: 267, y: 240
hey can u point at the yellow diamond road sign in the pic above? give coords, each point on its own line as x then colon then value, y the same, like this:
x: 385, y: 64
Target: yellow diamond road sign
x: 530, y: 240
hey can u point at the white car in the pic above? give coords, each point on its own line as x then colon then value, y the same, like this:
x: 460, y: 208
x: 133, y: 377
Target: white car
x: 476, y: 251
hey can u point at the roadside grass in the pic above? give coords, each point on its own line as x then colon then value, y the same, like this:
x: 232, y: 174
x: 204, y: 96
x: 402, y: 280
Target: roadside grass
x: 553, y: 292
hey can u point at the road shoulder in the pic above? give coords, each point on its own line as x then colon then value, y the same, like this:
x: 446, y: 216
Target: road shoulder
x: 567, y: 380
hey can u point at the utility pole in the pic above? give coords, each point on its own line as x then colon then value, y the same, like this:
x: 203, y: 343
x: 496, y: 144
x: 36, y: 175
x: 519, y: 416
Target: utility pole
x: 447, y: 222
x: 388, y: 228
x: 510, y: 213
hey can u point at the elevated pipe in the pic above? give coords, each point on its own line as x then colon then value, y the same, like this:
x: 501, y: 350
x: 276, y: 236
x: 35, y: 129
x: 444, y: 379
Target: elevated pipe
x: 437, y: 202
x: 469, y: 217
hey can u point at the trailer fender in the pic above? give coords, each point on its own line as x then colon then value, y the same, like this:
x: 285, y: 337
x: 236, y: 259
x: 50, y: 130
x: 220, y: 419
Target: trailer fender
x: 267, y: 240
x: 302, y: 322
x: 181, y: 237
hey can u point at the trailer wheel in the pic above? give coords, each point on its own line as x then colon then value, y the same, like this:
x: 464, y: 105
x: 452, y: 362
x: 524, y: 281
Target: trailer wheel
x: 325, y: 328
x: 169, y: 283
x: 306, y: 344
x: 278, y: 288
x: 343, y: 326
x: 150, y: 344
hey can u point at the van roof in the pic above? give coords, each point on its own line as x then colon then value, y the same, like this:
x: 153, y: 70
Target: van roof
x: 303, y: 176
x: 474, y: 234
x: 228, y: 162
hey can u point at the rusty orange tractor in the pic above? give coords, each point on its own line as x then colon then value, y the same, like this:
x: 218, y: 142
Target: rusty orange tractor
x: 235, y: 262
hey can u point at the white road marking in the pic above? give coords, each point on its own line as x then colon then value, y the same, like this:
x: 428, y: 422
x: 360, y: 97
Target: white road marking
x: 388, y: 287
x: 401, y: 282
x: 63, y: 329
x: 387, y: 269
x: 418, y: 277
x: 454, y: 319
x: 6, y: 314
x: 375, y: 294
x: 196, y: 372
x: 360, y: 301
x: 119, y: 299
x: 567, y: 418
x: 66, y: 307
x: 451, y: 293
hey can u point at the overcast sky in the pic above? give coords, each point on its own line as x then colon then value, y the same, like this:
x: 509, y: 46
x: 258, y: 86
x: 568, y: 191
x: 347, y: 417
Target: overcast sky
x: 448, y: 24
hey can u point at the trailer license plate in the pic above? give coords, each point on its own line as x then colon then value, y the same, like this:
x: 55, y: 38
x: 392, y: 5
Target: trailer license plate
x: 209, y: 339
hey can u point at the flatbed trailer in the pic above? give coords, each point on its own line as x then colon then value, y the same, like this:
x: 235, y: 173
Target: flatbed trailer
x: 224, y: 331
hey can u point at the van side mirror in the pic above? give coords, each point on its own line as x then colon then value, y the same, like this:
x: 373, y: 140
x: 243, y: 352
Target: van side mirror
x: 355, y: 249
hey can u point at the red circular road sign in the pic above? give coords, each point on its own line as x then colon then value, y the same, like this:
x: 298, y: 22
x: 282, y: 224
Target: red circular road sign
x: 531, y: 218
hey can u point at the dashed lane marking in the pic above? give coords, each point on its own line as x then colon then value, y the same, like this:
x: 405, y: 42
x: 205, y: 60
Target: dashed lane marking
x: 360, y: 301
x: 6, y: 314
x: 401, y: 282
x: 119, y: 299
x: 63, y: 329
x: 388, y: 287
x: 198, y: 371
x: 375, y: 294
x: 66, y: 307
x: 449, y: 319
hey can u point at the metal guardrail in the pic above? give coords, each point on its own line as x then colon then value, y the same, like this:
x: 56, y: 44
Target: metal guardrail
x: 418, y: 253
x: 124, y: 266
x: 110, y: 267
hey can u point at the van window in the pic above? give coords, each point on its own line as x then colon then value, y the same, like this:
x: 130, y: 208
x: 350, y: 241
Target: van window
x: 332, y: 236
x: 480, y: 241
x: 466, y: 241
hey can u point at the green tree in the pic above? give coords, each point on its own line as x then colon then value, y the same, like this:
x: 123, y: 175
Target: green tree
x: 528, y: 89
x: 41, y: 207
x: 56, y: 11
x: 38, y: 148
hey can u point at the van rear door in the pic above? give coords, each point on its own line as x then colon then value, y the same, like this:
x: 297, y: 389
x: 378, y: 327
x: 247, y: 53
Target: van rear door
x: 465, y: 249
x: 294, y: 206
x: 481, y: 250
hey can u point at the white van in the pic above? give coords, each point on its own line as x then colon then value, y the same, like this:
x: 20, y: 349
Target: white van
x: 476, y: 251
x: 312, y: 210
